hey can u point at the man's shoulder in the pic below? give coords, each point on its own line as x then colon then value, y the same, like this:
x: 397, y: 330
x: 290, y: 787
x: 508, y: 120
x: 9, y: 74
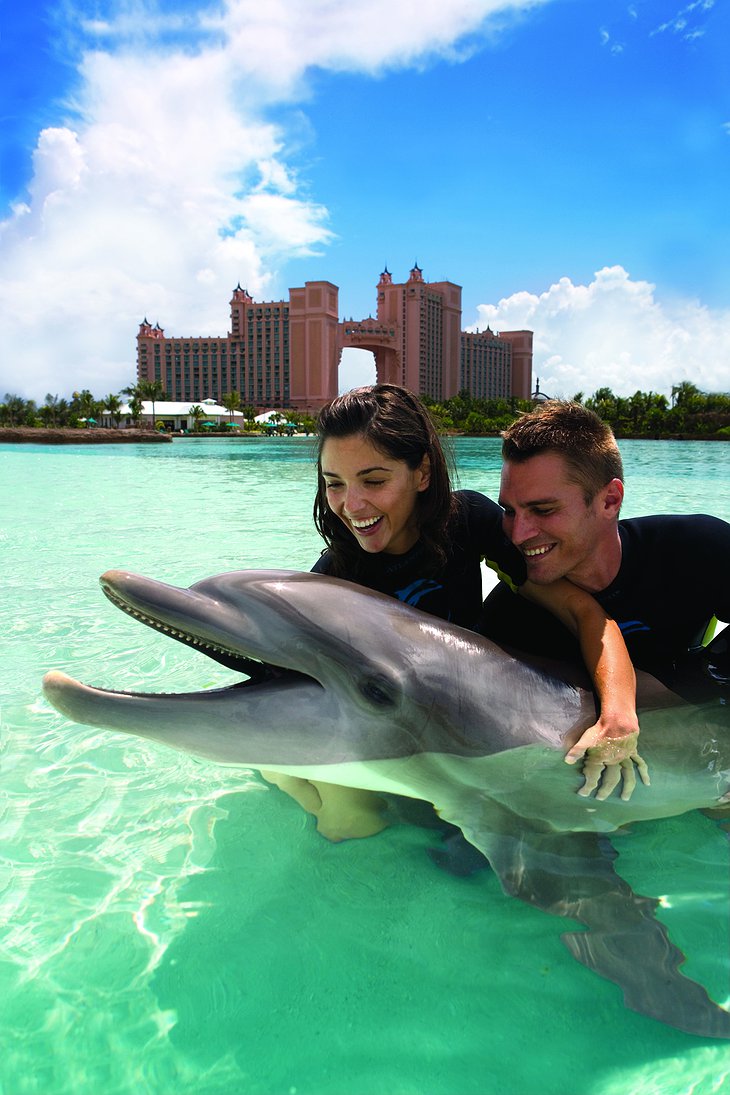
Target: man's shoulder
x: 693, y: 525
x: 675, y: 535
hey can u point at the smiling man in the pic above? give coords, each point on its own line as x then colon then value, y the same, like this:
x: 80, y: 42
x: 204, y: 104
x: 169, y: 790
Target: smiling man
x: 664, y: 579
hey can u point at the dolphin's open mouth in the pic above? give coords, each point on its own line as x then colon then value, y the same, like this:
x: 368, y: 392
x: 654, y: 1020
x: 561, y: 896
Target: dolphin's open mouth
x: 232, y: 659
x: 255, y: 670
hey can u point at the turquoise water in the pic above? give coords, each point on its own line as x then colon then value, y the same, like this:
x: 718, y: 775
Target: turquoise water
x: 174, y: 927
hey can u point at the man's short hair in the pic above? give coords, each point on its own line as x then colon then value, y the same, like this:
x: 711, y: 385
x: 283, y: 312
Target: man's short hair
x: 569, y: 429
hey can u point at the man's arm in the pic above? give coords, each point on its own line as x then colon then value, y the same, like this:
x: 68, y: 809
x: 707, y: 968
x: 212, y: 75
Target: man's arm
x: 611, y: 742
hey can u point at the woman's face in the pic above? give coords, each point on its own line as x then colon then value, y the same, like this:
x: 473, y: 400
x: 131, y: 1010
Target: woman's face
x: 373, y: 494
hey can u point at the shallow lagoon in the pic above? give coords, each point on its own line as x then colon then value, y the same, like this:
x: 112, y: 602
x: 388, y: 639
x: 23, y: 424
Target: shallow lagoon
x: 174, y: 927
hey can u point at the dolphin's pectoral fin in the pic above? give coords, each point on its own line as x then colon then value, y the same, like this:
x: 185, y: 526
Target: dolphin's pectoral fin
x: 572, y: 875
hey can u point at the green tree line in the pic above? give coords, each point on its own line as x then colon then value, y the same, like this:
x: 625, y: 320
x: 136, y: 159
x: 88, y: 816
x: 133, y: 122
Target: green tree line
x: 688, y: 413
x: 84, y: 409
x: 81, y: 410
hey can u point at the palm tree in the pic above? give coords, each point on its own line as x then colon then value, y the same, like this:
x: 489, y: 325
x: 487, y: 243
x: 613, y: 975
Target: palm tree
x: 135, y: 402
x: 277, y: 420
x: 113, y: 404
x: 152, y: 390
x: 196, y: 412
x: 603, y: 403
x: 684, y: 393
x: 14, y: 409
x: 232, y: 402
x: 83, y: 405
x: 50, y: 409
x: 47, y: 416
x: 135, y: 408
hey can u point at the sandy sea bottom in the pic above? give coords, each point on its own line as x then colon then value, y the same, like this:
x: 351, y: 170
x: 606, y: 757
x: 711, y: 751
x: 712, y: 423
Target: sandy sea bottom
x: 177, y: 927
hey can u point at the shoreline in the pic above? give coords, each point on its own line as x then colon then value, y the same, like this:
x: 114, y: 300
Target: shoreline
x: 42, y: 435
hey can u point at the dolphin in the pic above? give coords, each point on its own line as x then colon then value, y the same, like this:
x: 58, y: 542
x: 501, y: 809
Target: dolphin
x: 355, y: 688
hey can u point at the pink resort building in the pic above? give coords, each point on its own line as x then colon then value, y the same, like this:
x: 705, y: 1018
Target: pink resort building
x: 286, y: 353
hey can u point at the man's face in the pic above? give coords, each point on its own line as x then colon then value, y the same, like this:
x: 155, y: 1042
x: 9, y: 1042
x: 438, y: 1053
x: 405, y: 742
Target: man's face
x: 547, y: 518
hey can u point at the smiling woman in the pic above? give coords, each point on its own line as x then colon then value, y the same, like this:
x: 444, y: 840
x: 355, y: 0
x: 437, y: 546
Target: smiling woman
x: 385, y: 508
x: 373, y: 495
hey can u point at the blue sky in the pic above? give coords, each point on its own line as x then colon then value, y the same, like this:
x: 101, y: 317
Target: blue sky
x: 565, y: 161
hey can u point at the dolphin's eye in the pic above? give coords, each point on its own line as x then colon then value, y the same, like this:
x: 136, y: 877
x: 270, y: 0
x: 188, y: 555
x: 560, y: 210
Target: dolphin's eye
x: 377, y: 692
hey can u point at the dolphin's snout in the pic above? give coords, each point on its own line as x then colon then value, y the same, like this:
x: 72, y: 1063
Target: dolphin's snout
x: 53, y: 680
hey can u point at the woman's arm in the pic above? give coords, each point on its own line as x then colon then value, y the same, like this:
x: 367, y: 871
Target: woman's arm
x: 609, y: 746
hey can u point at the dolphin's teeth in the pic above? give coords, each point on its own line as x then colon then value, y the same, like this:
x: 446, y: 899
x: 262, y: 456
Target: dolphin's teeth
x: 174, y: 632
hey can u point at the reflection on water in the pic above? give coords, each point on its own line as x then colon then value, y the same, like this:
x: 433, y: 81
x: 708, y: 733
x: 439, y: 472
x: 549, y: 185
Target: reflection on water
x: 177, y: 927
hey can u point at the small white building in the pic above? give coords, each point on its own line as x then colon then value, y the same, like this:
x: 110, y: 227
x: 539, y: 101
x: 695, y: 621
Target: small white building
x: 177, y: 416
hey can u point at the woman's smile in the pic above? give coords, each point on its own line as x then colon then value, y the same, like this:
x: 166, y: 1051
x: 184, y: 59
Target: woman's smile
x: 373, y: 494
x: 365, y: 528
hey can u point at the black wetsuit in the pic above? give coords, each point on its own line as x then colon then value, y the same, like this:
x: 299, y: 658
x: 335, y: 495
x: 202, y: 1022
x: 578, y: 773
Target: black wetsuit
x: 673, y: 579
x: 453, y: 591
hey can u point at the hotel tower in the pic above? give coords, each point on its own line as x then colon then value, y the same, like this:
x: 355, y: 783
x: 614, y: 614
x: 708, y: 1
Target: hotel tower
x: 286, y: 353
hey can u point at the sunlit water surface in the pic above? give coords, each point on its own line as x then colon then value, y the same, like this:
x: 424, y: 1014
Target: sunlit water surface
x: 174, y: 927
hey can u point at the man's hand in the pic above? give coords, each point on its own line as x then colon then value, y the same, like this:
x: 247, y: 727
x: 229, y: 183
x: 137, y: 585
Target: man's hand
x: 608, y: 762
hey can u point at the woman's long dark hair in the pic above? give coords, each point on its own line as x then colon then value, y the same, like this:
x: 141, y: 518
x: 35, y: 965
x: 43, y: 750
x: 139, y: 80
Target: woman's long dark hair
x: 396, y: 422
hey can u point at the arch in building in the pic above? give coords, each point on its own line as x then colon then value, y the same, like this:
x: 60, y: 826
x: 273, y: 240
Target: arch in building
x: 381, y: 339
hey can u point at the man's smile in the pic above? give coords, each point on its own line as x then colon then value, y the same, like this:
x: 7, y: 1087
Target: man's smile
x: 533, y: 552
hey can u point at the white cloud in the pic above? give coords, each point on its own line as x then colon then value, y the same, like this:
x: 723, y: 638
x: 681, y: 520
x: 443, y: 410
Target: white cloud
x: 157, y: 202
x: 609, y: 42
x: 366, y: 36
x: 679, y: 23
x: 616, y: 333
x: 165, y: 184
